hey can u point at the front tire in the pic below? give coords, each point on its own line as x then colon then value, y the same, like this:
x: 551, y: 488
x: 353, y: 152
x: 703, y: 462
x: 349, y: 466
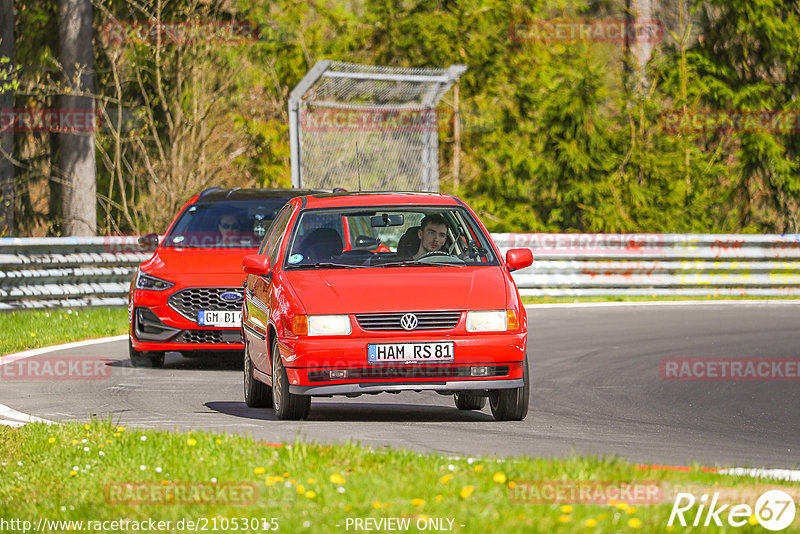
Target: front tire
x: 256, y: 394
x: 469, y: 401
x: 145, y: 358
x: 512, y: 404
x: 287, y: 405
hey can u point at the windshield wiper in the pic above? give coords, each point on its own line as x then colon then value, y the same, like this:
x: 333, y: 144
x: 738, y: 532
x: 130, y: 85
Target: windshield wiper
x: 411, y: 263
x: 325, y: 265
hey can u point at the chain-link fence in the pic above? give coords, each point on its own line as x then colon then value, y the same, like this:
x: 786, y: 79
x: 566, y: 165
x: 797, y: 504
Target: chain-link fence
x: 369, y: 128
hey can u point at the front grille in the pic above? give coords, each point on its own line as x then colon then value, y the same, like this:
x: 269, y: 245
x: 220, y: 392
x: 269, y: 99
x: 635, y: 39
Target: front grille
x: 407, y: 371
x: 209, y: 336
x: 188, y: 302
x: 391, y: 321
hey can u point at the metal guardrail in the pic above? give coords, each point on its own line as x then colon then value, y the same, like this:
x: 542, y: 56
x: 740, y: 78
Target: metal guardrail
x: 66, y: 272
x: 48, y: 272
x: 657, y: 264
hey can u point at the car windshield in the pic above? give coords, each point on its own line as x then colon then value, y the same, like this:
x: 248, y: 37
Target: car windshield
x: 224, y: 224
x: 384, y: 237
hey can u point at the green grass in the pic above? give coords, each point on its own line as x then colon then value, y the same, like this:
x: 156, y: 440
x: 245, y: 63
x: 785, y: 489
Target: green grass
x: 30, y: 329
x: 612, y: 298
x: 69, y: 471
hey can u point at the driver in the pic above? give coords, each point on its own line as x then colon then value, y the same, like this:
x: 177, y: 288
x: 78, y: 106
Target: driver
x: 432, y: 234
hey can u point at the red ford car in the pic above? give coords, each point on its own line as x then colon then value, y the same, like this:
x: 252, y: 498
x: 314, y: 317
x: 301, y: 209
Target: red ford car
x: 188, y: 296
x: 356, y: 293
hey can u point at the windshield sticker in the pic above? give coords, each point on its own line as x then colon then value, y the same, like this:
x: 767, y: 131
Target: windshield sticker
x: 295, y: 258
x: 177, y: 239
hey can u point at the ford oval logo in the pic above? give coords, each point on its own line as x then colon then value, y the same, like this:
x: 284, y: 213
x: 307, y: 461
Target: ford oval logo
x: 230, y: 296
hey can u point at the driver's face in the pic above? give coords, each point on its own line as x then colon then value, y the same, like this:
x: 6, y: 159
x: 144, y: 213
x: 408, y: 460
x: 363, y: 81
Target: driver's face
x: 433, y: 237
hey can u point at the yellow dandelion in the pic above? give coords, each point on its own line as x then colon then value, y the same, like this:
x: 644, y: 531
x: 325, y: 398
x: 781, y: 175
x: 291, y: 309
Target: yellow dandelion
x: 311, y: 494
x: 439, y: 498
x: 336, y: 478
x: 109, y: 441
x: 33, y: 334
x: 218, y: 441
x: 286, y: 474
x: 347, y: 508
x: 566, y: 509
x: 753, y: 520
x: 512, y: 485
x: 73, y: 473
x: 301, y: 489
x: 86, y: 427
x: 631, y: 510
x: 120, y: 429
x: 191, y: 442
x: 591, y: 522
x: 622, y: 505
x: 498, y: 477
x: 312, y: 480
x: 466, y: 491
x: 445, y: 479
x: 74, y: 441
x: 565, y: 518
x: 634, y: 522
x: 18, y: 489
x: 259, y: 470
x: 376, y: 504
x: 478, y: 468
x: 417, y: 502
x: 51, y: 440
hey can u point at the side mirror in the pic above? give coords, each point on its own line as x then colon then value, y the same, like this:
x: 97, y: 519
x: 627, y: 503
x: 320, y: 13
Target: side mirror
x: 256, y: 264
x: 149, y: 241
x: 519, y: 258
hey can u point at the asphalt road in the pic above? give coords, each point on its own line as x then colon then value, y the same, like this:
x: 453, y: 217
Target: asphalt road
x: 596, y: 388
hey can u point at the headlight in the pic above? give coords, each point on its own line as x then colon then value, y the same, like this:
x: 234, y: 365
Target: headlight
x: 487, y: 321
x: 145, y: 281
x: 329, y: 325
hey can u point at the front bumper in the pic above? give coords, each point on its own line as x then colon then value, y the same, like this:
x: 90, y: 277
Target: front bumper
x: 340, y: 366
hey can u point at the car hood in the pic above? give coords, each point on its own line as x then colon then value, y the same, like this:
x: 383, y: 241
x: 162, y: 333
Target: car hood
x: 190, y: 266
x: 398, y: 289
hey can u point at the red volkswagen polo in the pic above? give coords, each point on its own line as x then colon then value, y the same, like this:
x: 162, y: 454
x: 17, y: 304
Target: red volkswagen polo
x: 354, y: 293
x: 188, y: 296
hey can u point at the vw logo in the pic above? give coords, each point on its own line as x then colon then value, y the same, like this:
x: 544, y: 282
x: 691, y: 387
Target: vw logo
x: 409, y: 321
x: 230, y: 296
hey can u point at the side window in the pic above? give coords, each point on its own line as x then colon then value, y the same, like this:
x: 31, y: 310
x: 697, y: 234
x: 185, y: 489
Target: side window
x: 275, y: 229
x: 274, y: 243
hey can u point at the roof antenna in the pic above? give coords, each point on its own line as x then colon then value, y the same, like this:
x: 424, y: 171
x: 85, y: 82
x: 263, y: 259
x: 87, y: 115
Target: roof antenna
x: 358, y: 168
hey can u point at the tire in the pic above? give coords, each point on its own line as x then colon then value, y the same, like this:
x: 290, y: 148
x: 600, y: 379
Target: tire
x: 256, y: 394
x: 145, y: 358
x: 286, y: 405
x: 469, y: 401
x: 512, y: 404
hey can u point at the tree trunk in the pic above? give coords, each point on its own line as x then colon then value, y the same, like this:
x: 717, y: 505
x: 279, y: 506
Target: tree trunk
x: 6, y: 102
x: 639, y: 41
x: 76, y: 149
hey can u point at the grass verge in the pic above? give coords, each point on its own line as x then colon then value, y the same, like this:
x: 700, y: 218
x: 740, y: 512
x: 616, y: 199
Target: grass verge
x: 30, y: 329
x: 96, y: 472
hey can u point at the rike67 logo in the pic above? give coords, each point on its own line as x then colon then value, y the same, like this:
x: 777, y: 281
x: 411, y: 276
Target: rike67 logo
x: 774, y: 511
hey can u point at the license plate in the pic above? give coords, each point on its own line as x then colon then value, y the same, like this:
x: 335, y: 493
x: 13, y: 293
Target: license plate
x: 410, y: 352
x: 219, y: 318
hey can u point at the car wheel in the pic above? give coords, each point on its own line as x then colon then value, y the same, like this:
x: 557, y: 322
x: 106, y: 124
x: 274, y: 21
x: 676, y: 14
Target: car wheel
x: 511, y: 404
x: 469, y: 401
x: 145, y: 358
x: 286, y: 405
x: 256, y: 394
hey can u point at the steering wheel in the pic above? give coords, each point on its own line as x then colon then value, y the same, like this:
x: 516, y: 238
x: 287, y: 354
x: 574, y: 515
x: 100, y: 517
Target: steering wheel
x: 434, y: 253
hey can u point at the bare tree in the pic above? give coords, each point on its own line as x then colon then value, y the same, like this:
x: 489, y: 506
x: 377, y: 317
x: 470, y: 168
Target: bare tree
x: 6, y: 102
x: 76, y: 149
